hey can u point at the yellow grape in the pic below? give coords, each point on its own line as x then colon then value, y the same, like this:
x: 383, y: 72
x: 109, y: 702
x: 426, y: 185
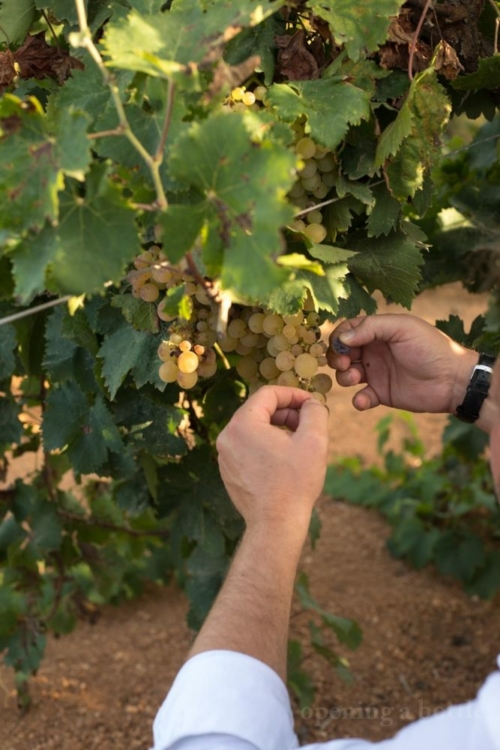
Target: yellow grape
x: 247, y: 368
x: 319, y: 397
x: 306, y: 366
x: 311, y: 183
x: 271, y: 348
x: 309, y: 169
x: 161, y: 275
x: 298, y: 225
x: 322, y: 383
x: 285, y: 361
x: 326, y: 164
x: 188, y: 362
x: 202, y: 325
x: 190, y: 289
x: 297, y: 349
x: 248, y: 98
x: 149, y: 292
x: 322, y: 361
x: 297, y: 191
x: 187, y: 380
x: 185, y: 346
x: 228, y: 343
x: 160, y: 311
x: 237, y: 94
x: 316, y: 350
x: 294, y: 320
x: 268, y: 368
x: 314, y: 217
x: 289, y: 379
x: 313, y: 319
x: 250, y: 339
x: 239, y: 107
x: 168, y: 372
x: 202, y: 297
x: 242, y: 349
x: 260, y: 93
x: 175, y: 338
x: 199, y: 350
x: 309, y: 337
x: 280, y: 342
x: 256, y: 322
x: 306, y: 148
x: 289, y: 331
x: 273, y: 324
x: 164, y: 351
x: 237, y: 328
x: 316, y: 232
x: 321, y: 191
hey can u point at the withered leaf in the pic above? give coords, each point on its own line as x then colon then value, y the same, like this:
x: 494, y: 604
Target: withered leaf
x: 295, y: 61
x: 36, y: 59
x: 447, y: 62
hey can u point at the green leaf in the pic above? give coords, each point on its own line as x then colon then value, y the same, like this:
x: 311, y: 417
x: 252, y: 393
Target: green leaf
x: 11, y: 428
x: 16, y: 19
x: 394, y: 135
x: 46, y: 528
x: 73, y: 146
x: 258, y: 40
x: 96, y: 237
x: 297, y: 679
x: 331, y: 105
x: 459, y: 555
x: 30, y: 261
x: 391, y: 264
x: 65, y: 412
x: 486, y: 77
x: 326, y: 290
x: 361, y: 27
x: 12, y: 607
x: 174, y: 44
x: 205, y: 575
x: 152, y: 425
x: 181, y: 226
x: 85, y: 89
x: 385, y: 214
x: 128, y: 350
x: 245, y: 200
x: 64, y: 359
x: 356, y: 300
x: 141, y: 315
x: 8, y: 343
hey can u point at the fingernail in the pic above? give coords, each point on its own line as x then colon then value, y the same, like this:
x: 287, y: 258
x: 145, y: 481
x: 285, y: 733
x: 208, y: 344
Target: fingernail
x: 346, y: 336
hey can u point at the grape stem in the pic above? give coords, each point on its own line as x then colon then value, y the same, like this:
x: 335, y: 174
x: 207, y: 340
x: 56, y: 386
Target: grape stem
x: 160, y: 151
x: 416, y: 36
x: 84, y: 39
x: 222, y: 356
x: 317, y: 206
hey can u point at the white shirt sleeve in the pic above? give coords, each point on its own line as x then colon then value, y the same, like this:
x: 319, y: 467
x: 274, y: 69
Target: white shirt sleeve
x: 225, y: 700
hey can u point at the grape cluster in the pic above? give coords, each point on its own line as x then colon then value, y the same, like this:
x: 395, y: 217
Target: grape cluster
x: 316, y: 178
x: 278, y: 349
x: 187, y: 353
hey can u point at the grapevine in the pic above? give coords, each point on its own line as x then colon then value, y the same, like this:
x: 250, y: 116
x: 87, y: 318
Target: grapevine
x: 190, y: 193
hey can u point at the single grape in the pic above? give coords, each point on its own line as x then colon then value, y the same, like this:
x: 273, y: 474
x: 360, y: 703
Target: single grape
x: 187, y: 380
x: 311, y: 183
x: 321, y: 191
x: 285, y: 361
x: 239, y: 107
x: 316, y: 350
x: 207, y: 370
x: 190, y: 289
x: 202, y: 325
x: 309, y: 337
x: 209, y: 356
x: 168, y: 372
x: 201, y: 295
x: 289, y: 331
x: 313, y: 319
x: 273, y: 324
x: 237, y: 328
x: 256, y: 322
x: 297, y: 191
x: 319, y: 397
x: 326, y: 164
x: 329, y: 178
x: 199, y: 350
x: 188, y: 362
x: 176, y: 338
x: 260, y: 93
x: 309, y: 169
x: 322, y: 383
x: 314, y: 217
x: 237, y: 94
x: 297, y: 349
x: 161, y: 275
x: 250, y: 339
x: 185, y: 346
x: 248, y: 98
x: 247, y: 368
x: 228, y: 343
x: 242, y: 349
x: 316, y: 232
x: 322, y: 361
x: 149, y: 292
x: 268, y: 368
x: 298, y: 225
x: 306, y: 366
x: 289, y: 379
x: 306, y: 148
x: 164, y: 351
x: 294, y: 320
x: 271, y: 348
x: 280, y: 342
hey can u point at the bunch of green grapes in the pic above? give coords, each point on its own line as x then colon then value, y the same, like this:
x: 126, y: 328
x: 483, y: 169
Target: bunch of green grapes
x: 278, y: 349
x: 316, y: 177
x: 187, y: 353
x: 242, y: 99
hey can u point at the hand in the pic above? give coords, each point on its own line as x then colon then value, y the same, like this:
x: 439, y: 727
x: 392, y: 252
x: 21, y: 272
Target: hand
x: 405, y: 362
x: 275, y: 476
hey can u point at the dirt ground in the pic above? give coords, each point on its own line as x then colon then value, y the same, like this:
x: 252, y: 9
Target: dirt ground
x: 426, y: 644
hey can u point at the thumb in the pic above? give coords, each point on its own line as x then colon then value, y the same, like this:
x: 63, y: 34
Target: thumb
x: 363, y: 331
x: 313, y: 421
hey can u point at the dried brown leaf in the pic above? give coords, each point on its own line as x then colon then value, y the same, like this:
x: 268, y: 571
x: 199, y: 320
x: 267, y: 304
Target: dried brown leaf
x: 295, y: 61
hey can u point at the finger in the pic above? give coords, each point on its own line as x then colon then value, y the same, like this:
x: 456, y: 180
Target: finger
x: 286, y: 418
x: 342, y: 362
x: 313, y: 422
x: 353, y: 376
x: 270, y: 399
x: 362, y: 331
x: 366, y: 399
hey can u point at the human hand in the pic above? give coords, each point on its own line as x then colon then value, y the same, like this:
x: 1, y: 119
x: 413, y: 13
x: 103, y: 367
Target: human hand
x: 275, y: 476
x: 405, y: 363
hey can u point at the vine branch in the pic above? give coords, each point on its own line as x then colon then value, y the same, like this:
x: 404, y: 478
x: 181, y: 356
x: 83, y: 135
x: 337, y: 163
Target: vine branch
x: 416, y: 37
x: 160, y: 151
x: 162, y: 533
x: 84, y: 39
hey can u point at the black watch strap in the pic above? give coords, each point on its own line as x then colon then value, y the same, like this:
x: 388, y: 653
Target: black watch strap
x: 477, y: 390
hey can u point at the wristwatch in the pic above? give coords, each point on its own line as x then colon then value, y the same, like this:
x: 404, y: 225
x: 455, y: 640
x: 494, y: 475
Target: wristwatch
x: 477, y: 390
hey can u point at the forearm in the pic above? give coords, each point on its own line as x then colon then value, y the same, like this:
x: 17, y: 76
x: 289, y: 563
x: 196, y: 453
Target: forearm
x: 252, y: 612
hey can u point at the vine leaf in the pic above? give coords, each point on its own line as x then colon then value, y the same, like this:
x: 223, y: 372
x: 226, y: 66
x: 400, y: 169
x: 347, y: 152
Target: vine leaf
x: 244, y: 203
x: 360, y: 26
x: 390, y: 264
x: 486, y: 77
x: 174, y: 44
x: 331, y: 105
x: 127, y: 350
x: 16, y: 18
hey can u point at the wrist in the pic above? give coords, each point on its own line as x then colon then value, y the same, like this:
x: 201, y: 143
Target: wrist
x: 488, y: 413
x: 286, y: 535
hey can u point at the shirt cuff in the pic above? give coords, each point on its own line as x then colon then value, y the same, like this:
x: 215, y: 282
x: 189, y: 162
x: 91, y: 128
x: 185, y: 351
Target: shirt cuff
x: 489, y: 702
x: 226, y: 692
